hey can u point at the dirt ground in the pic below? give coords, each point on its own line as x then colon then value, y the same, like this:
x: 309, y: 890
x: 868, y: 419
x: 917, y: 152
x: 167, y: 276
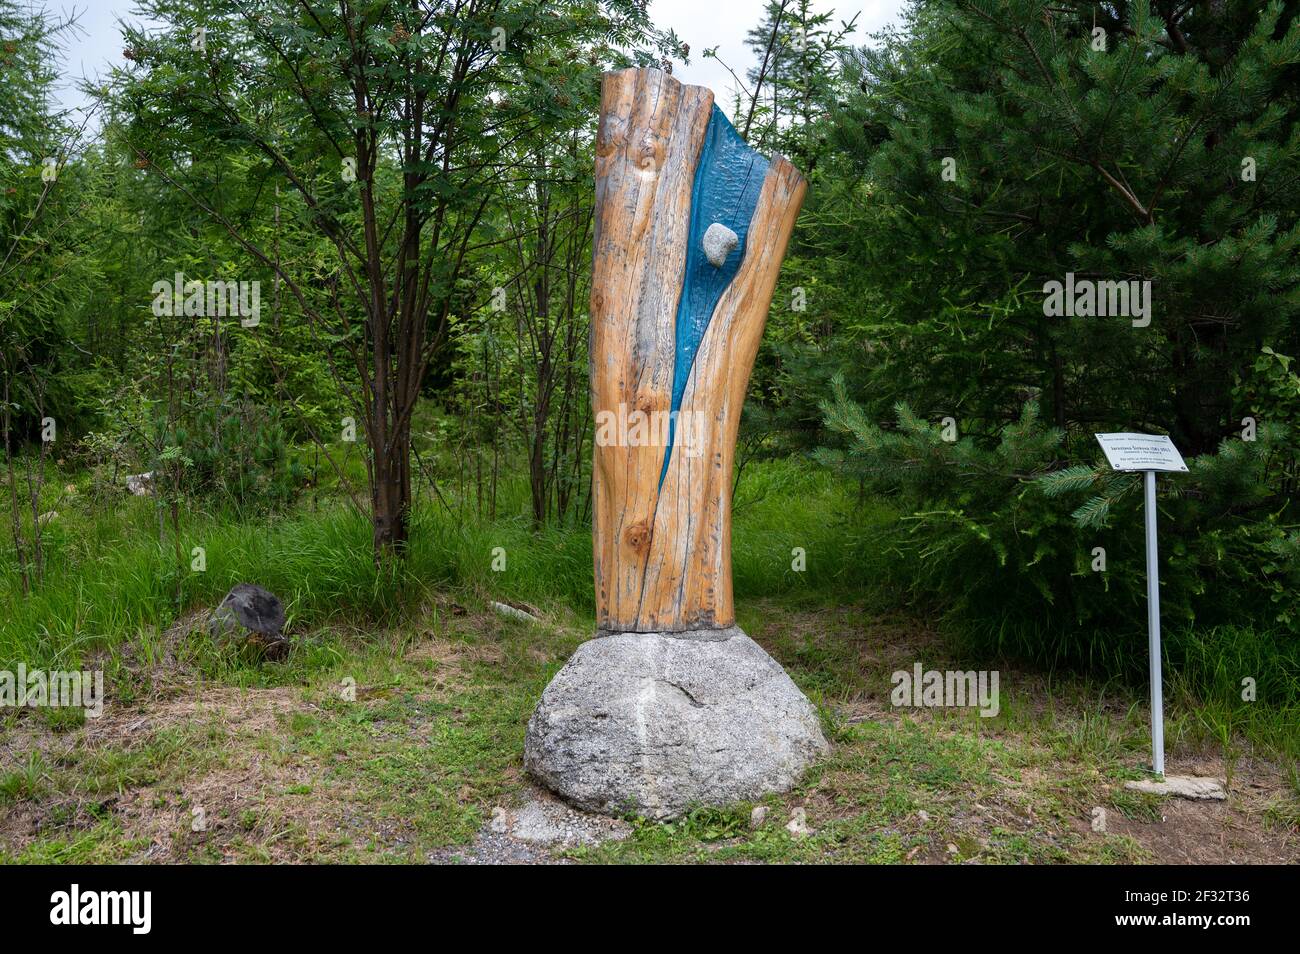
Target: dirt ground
x: 424, y: 765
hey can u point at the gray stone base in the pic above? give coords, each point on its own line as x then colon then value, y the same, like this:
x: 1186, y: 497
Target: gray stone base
x: 654, y: 723
x: 1184, y: 786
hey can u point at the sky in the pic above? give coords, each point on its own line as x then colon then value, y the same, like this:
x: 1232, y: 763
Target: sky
x: 723, y: 23
x: 700, y: 23
x: 95, y: 43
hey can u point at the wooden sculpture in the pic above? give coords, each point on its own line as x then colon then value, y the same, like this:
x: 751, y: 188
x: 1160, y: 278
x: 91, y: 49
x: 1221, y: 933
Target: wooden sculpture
x: 672, y: 705
x: 674, y: 336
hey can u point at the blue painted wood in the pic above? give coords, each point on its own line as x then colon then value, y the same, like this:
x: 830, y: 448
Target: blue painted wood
x: 728, y: 179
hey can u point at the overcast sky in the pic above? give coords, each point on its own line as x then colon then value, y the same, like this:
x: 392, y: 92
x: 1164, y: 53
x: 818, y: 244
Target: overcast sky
x: 704, y: 24
x: 700, y: 23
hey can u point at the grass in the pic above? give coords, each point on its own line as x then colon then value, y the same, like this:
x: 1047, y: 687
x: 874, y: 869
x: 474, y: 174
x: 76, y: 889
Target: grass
x: 409, y: 766
x: 284, y: 765
x: 109, y: 582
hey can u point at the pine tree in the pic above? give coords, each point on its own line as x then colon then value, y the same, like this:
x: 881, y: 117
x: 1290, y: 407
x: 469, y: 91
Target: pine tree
x: 1008, y: 144
x: 992, y: 148
x: 793, y: 79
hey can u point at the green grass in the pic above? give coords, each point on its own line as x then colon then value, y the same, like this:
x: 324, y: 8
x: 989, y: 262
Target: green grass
x: 108, y: 581
x: 110, y: 585
x: 414, y: 766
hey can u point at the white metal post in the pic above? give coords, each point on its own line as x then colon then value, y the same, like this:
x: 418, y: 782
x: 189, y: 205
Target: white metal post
x: 1153, y: 626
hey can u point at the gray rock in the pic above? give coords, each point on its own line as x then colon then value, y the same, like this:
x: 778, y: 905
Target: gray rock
x: 251, y: 612
x: 657, y: 722
x: 500, y: 823
x: 513, y: 612
x: 1184, y: 786
x: 140, y: 485
x: 547, y: 821
x: 798, y: 824
x: 719, y: 242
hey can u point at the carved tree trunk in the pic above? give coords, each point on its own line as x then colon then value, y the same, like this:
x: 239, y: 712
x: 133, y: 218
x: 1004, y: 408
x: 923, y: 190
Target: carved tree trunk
x: 673, y: 706
x: 674, y: 337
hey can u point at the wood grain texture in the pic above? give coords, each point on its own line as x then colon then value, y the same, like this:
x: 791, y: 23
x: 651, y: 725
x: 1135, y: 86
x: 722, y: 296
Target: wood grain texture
x: 663, y: 553
x: 651, y: 130
x: 688, y: 574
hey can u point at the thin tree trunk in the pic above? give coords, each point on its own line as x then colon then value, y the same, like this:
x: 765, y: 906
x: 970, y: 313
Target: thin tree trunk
x: 19, y: 548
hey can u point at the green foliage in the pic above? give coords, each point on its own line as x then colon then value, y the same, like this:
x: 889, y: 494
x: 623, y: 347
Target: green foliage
x: 211, y: 449
x: 985, y: 149
x: 113, y: 588
x: 1123, y: 163
x: 45, y: 273
x: 990, y: 539
x: 793, y: 79
x: 236, y: 451
x: 907, y: 338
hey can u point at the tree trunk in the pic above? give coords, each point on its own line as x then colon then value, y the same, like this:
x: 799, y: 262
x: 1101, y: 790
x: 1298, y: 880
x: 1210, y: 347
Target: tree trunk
x: 390, y: 500
x: 674, y: 334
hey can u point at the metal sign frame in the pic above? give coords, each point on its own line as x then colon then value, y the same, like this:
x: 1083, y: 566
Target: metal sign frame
x: 1150, y: 454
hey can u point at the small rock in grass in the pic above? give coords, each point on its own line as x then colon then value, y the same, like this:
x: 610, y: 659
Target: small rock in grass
x: 758, y: 816
x: 500, y: 822
x: 140, y: 485
x: 1099, y: 819
x: 1184, y: 786
x: 514, y: 612
x: 798, y: 824
x: 923, y: 816
x: 253, y: 614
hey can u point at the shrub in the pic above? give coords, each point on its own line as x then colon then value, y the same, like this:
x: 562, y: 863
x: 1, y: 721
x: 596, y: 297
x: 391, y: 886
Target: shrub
x: 1001, y: 534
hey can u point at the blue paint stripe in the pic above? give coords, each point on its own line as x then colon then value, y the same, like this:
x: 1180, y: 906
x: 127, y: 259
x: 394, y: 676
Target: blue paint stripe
x: 728, y: 180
